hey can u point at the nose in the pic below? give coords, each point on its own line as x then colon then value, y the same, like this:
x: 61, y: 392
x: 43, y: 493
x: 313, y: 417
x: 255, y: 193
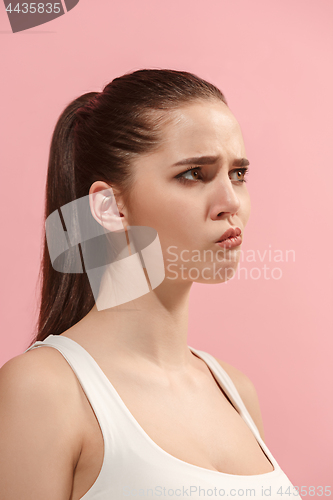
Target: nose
x: 226, y: 199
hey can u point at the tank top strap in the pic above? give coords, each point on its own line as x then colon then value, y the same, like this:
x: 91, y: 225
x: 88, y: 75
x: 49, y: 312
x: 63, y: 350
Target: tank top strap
x: 102, y: 396
x: 229, y: 387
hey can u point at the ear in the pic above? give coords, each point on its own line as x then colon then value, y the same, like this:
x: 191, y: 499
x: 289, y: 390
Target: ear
x: 104, y: 207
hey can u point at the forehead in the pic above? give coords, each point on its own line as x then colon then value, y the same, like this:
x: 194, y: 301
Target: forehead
x: 200, y: 128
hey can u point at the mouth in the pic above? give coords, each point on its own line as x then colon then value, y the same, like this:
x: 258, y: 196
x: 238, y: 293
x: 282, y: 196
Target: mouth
x: 231, y: 238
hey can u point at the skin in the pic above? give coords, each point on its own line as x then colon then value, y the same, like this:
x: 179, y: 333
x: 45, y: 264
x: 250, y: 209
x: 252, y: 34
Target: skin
x: 49, y: 432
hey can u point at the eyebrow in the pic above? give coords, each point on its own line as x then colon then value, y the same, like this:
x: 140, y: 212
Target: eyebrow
x: 209, y: 160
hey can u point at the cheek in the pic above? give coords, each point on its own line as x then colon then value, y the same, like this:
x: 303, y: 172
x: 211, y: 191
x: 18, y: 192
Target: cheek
x: 159, y: 204
x: 177, y: 221
x: 174, y: 219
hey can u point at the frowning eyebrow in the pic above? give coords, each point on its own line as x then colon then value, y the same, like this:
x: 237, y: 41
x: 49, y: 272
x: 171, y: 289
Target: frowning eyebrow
x: 210, y: 160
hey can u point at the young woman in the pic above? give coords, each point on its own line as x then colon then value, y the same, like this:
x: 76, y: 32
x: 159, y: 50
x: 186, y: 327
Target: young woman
x: 116, y: 403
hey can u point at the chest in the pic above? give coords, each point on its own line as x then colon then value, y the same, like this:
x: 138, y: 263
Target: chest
x: 198, y: 426
x: 203, y: 429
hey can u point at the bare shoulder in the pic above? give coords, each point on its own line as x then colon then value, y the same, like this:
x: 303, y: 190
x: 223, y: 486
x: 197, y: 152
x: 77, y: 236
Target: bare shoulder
x: 42, y: 381
x: 39, y: 408
x: 247, y: 392
x: 41, y: 371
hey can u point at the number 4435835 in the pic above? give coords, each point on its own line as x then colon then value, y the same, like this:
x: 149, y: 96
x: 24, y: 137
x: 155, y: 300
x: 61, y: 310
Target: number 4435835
x: 33, y: 8
x: 306, y: 490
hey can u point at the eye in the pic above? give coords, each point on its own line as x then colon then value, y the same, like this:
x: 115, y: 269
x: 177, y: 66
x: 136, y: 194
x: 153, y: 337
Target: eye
x: 240, y: 173
x: 195, y: 174
x: 193, y: 178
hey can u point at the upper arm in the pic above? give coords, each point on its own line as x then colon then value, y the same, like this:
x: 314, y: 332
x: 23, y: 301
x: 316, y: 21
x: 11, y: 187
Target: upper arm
x: 247, y: 392
x: 38, y: 444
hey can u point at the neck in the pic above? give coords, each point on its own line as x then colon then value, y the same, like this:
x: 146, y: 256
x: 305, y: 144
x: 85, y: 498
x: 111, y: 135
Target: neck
x: 153, y: 326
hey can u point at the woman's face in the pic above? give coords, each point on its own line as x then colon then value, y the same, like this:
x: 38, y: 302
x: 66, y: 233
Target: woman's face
x: 191, y: 210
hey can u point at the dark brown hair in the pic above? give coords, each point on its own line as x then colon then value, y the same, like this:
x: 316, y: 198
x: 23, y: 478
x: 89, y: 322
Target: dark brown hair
x: 97, y: 137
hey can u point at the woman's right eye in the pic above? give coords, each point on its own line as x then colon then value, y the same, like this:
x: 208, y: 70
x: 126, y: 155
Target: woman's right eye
x: 189, y: 171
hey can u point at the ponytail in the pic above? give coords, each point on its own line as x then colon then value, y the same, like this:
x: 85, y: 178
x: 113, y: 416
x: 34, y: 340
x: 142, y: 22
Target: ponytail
x: 65, y: 298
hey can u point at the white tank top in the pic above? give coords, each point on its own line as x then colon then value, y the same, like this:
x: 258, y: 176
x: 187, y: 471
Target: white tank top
x: 134, y: 466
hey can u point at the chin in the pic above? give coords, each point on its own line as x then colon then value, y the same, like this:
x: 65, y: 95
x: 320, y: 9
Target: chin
x: 215, y: 278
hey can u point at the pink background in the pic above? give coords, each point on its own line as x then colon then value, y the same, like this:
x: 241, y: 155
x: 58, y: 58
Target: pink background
x: 273, y: 61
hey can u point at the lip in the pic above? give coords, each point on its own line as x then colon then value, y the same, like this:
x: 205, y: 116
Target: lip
x: 231, y: 238
x: 232, y: 232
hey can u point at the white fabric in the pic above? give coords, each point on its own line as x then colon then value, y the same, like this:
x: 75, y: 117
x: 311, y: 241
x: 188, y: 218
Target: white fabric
x: 135, y: 466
